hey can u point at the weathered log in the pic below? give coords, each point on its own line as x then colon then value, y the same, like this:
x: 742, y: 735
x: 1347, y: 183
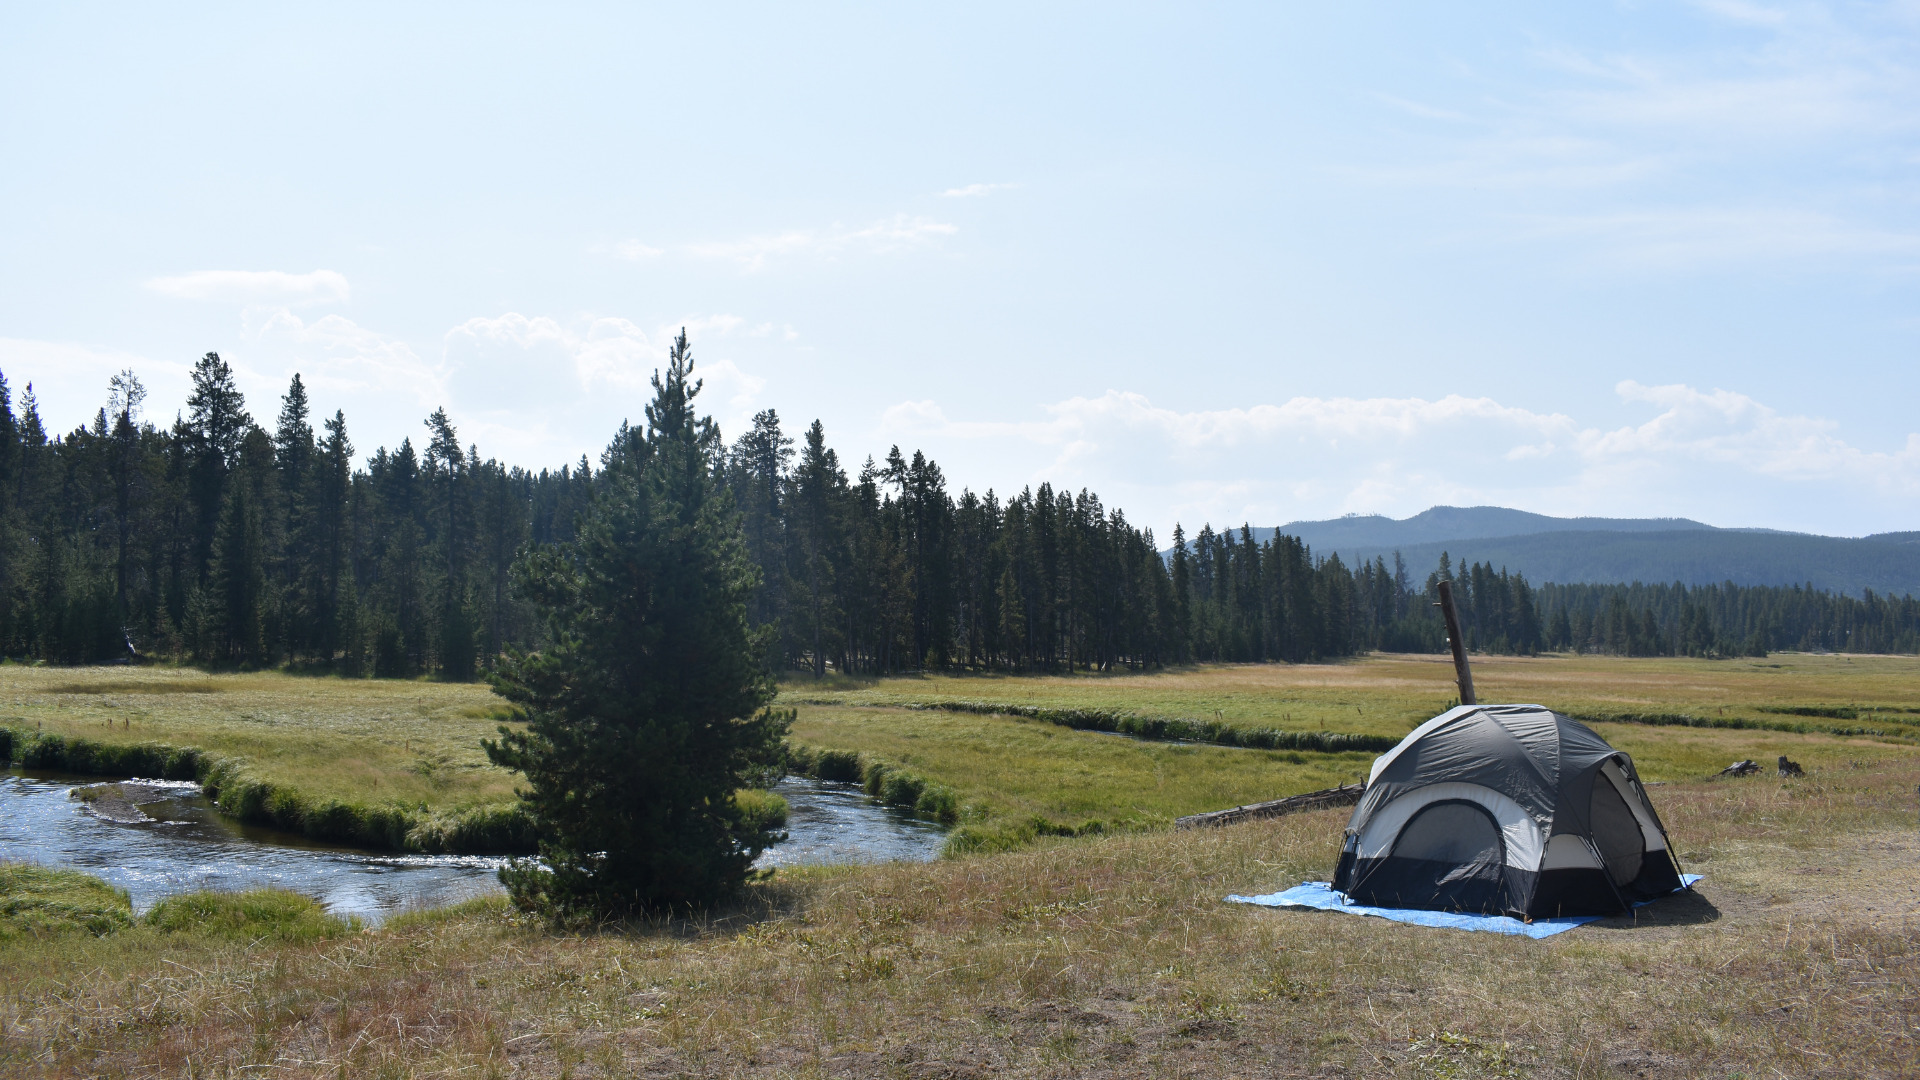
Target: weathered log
x: 1344, y: 795
x: 1741, y: 768
x: 1458, y: 643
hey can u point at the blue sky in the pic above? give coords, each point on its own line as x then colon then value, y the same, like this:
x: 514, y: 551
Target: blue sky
x: 1228, y: 263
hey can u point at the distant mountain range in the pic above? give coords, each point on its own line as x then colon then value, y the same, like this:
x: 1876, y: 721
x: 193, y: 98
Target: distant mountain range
x: 1599, y: 550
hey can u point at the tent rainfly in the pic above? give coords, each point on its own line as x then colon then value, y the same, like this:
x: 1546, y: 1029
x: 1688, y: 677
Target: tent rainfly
x: 1505, y: 809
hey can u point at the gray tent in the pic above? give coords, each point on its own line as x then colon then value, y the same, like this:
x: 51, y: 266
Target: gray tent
x: 1510, y: 809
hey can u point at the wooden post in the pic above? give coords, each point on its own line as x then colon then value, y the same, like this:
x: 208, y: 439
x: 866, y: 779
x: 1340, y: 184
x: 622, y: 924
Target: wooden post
x: 1458, y: 643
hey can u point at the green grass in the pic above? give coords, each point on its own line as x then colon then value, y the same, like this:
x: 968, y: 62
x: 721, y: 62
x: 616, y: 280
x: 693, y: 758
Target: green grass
x: 378, y: 763
x: 254, y: 915
x: 1011, y: 770
x: 1015, y: 778
x: 42, y: 902
x: 398, y: 742
x: 36, y: 902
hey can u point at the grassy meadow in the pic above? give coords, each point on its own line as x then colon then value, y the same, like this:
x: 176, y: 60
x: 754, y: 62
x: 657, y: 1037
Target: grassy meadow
x: 1013, y: 769
x: 1389, y: 694
x: 1110, y: 956
x: 383, y: 740
x: 1095, y: 955
x: 378, y: 763
x: 399, y: 764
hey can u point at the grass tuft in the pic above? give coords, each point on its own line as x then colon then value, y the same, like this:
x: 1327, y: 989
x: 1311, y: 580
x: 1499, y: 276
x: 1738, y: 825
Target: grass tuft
x: 270, y: 914
x: 38, y: 901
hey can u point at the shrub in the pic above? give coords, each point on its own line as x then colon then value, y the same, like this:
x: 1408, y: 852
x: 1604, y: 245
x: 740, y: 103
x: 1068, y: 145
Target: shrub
x: 840, y: 766
x: 939, y: 802
x: 901, y: 789
x: 761, y: 809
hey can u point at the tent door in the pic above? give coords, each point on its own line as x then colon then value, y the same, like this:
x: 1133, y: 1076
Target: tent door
x: 1451, y: 856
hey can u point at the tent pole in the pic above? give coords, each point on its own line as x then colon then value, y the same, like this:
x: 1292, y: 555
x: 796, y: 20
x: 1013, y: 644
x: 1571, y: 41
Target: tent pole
x: 1459, y: 644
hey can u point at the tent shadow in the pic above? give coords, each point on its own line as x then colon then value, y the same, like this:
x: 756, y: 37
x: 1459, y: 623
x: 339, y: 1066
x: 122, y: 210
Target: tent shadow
x: 1684, y: 908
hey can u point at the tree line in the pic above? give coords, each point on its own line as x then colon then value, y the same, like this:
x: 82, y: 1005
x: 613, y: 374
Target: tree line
x: 219, y: 541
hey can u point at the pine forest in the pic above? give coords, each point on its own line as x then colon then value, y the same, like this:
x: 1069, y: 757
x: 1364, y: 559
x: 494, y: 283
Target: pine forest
x: 223, y: 541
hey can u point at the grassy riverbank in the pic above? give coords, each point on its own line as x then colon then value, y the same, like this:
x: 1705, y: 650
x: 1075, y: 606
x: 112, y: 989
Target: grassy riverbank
x: 1112, y: 956
x: 398, y: 764
x: 1009, y: 771
x: 380, y: 763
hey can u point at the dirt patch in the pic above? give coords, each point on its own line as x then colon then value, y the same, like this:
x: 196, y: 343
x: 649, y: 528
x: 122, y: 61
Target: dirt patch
x: 1646, y: 1064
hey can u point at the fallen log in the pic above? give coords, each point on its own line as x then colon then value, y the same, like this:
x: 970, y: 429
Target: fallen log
x: 1344, y: 795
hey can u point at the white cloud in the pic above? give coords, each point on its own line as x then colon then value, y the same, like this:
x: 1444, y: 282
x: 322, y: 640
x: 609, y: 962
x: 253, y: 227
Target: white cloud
x: 632, y: 251
x: 608, y: 354
x: 254, y: 286
x: 337, y: 357
x: 885, y: 236
x: 974, y: 191
x: 1700, y: 453
x: 1774, y: 143
x: 1668, y: 238
x: 1726, y: 428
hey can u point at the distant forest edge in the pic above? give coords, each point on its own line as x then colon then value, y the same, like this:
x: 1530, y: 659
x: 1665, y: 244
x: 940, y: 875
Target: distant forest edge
x: 217, y: 541
x: 1605, y: 550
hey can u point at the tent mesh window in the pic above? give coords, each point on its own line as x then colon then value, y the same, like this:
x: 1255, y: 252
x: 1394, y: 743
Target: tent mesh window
x: 1616, y: 832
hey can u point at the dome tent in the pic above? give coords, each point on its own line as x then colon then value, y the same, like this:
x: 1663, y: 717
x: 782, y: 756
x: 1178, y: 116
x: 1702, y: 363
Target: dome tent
x: 1505, y: 809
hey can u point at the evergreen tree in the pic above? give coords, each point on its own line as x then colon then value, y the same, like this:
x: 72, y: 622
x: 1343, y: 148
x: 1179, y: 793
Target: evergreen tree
x: 647, y: 712
x: 294, y: 568
x: 757, y: 474
x: 217, y: 421
x: 234, y: 618
x: 446, y: 475
x: 333, y: 542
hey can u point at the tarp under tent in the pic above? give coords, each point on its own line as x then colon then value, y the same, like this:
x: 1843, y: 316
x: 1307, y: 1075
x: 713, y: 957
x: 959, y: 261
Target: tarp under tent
x: 1505, y: 809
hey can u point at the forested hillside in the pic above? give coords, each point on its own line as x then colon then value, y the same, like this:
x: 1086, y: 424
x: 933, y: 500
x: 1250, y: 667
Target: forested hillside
x: 1377, y: 532
x: 1604, y: 550
x: 221, y: 541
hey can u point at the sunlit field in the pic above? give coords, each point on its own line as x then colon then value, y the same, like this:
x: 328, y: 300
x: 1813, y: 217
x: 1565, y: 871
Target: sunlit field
x: 367, y: 739
x: 413, y: 747
x: 1009, y: 767
x: 1799, y: 955
x: 1389, y: 693
x: 1106, y: 953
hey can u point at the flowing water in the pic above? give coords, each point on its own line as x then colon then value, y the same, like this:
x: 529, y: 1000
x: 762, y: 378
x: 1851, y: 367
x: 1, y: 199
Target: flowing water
x: 167, y: 839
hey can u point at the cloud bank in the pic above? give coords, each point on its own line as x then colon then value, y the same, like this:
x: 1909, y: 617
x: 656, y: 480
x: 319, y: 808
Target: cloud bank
x: 254, y: 286
x: 1713, y: 454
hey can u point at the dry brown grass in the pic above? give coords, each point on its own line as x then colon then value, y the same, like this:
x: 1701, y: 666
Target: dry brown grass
x: 1388, y: 693
x: 1799, y: 956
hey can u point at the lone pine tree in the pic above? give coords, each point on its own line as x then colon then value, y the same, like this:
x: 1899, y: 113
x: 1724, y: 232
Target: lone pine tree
x: 647, y: 711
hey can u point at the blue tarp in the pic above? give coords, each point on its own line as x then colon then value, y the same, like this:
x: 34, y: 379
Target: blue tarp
x: 1320, y: 895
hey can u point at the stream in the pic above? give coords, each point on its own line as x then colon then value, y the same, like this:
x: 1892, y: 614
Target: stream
x: 177, y: 843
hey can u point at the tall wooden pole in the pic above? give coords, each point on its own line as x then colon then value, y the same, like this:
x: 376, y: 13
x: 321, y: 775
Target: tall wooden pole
x: 1458, y: 644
